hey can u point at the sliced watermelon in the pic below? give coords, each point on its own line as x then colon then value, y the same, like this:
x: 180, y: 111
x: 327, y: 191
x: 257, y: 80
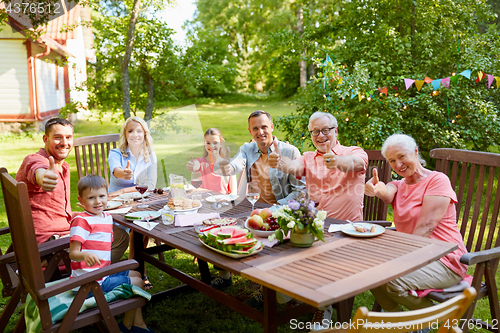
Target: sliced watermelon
x: 256, y: 247
x: 233, y: 240
x: 245, y: 244
x: 239, y: 233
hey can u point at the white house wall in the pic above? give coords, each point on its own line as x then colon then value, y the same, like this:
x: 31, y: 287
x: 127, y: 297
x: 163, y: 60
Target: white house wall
x: 49, y: 98
x: 14, y: 86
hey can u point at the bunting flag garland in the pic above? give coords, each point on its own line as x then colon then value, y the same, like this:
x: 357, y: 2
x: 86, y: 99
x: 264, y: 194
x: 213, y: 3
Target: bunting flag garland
x: 435, y: 84
x: 454, y: 79
x: 445, y: 82
x: 427, y: 80
x: 466, y: 73
x: 408, y: 83
x: 383, y: 90
x: 490, y: 80
x: 419, y: 84
x: 498, y: 81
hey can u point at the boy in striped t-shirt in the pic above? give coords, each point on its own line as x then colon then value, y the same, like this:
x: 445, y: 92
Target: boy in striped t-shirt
x: 91, y: 235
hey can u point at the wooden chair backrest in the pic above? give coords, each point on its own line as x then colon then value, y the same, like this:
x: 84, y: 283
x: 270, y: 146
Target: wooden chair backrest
x: 92, y: 153
x: 18, y: 209
x: 447, y: 313
x: 375, y: 209
x: 474, y: 176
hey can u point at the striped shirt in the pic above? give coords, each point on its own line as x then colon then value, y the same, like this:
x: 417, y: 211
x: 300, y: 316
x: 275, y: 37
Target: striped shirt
x: 96, y: 235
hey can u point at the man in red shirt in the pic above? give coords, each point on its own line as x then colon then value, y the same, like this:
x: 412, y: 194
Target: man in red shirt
x: 46, y: 175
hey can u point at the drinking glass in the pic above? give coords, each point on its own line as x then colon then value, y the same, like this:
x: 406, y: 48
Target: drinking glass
x: 141, y: 185
x: 253, y: 193
x: 196, y: 179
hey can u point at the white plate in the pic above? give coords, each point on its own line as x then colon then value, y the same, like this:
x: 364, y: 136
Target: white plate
x: 194, y: 209
x: 349, y: 230
x: 113, y: 204
x: 259, y: 233
x: 227, y: 197
x: 140, y: 216
x: 234, y: 255
x: 133, y: 195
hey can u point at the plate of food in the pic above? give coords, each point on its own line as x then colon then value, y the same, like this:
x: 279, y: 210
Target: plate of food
x: 262, y: 223
x: 133, y: 195
x: 142, y: 215
x: 215, y: 222
x: 363, y: 229
x: 112, y: 204
x: 233, y: 241
x: 222, y: 197
x: 180, y: 204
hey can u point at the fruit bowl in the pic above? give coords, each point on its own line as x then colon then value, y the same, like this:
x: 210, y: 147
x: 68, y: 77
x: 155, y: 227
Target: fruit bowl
x: 259, y: 233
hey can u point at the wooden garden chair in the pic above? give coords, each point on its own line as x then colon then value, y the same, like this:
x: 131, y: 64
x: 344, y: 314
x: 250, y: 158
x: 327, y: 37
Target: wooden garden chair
x: 31, y: 275
x: 375, y: 209
x: 92, y: 152
x: 474, y: 176
x: 52, y: 252
x: 446, y: 314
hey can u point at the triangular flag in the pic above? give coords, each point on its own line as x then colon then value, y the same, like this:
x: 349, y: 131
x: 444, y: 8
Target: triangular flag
x: 419, y: 84
x: 340, y: 81
x: 498, y: 81
x: 480, y: 76
x: 466, y: 73
x: 427, y: 80
x: 408, y: 83
x: 326, y: 60
x: 359, y: 96
x: 490, y: 80
x: 353, y: 95
x: 436, y: 83
x: 383, y: 90
x: 454, y: 79
x: 445, y: 82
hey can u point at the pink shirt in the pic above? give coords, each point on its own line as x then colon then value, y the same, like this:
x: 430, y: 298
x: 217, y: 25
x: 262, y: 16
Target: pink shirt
x: 96, y: 235
x: 51, y: 210
x: 212, y: 181
x: 407, y: 205
x: 340, y: 194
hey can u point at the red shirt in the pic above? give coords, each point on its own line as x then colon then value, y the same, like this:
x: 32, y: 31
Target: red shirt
x: 340, y: 194
x: 407, y: 205
x: 212, y: 181
x: 51, y: 210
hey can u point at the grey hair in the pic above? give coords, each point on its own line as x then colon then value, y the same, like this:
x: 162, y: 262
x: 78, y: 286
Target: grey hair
x: 402, y: 140
x: 321, y: 114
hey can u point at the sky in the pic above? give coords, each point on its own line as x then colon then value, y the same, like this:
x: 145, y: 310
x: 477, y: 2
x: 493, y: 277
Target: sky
x: 176, y: 15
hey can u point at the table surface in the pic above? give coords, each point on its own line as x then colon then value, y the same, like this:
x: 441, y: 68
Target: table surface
x: 323, y: 274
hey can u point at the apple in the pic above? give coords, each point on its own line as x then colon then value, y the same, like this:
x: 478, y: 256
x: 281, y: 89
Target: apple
x: 255, y: 222
x: 255, y: 212
x: 265, y: 213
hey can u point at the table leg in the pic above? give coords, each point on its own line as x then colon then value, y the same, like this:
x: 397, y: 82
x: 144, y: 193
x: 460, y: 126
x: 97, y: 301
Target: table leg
x: 138, y: 248
x: 344, y: 310
x: 270, y: 311
x: 204, y: 271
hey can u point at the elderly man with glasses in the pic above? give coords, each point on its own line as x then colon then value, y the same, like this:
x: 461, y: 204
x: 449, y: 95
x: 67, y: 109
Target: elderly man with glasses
x: 335, y: 174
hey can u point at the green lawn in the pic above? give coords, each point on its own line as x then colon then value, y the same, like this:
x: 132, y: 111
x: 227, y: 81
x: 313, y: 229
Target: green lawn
x: 191, y: 312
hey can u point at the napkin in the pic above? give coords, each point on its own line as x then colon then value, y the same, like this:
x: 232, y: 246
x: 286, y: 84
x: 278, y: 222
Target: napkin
x: 336, y: 227
x: 265, y: 240
x: 145, y: 225
x: 193, y: 219
x: 123, y: 210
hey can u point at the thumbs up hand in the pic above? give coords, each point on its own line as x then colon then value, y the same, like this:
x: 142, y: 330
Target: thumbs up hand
x: 225, y: 165
x: 127, y: 172
x: 275, y: 157
x: 193, y: 165
x: 374, y: 186
x: 329, y: 157
x: 48, y: 178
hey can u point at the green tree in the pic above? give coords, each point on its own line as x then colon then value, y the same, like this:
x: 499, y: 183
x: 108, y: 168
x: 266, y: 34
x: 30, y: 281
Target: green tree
x: 375, y: 44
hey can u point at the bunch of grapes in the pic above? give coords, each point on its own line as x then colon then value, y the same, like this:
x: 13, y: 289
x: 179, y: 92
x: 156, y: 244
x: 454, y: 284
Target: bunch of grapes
x: 273, y: 224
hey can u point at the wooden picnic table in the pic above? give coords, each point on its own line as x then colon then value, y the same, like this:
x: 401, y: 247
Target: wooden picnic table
x: 326, y: 273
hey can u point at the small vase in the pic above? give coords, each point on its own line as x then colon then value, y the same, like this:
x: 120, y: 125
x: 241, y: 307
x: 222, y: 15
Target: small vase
x: 301, y: 240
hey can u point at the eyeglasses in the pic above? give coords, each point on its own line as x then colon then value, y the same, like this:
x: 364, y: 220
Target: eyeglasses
x: 325, y: 131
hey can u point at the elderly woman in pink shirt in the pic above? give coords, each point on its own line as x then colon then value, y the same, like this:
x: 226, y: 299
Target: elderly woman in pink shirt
x: 424, y: 205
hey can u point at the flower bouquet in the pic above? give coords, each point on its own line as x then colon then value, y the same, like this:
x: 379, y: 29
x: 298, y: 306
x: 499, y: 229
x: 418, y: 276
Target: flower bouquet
x: 299, y: 216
